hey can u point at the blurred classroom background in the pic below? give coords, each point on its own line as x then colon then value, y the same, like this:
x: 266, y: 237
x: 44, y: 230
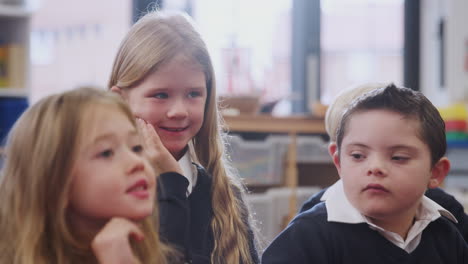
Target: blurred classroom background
x: 278, y: 64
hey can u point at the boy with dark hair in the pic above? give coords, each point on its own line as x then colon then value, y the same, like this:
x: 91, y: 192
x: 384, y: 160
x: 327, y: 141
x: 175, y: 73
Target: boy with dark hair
x: 332, y: 120
x: 390, y: 149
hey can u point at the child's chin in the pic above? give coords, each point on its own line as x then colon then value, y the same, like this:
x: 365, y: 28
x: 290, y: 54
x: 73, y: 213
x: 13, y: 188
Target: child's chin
x: 141, y: 216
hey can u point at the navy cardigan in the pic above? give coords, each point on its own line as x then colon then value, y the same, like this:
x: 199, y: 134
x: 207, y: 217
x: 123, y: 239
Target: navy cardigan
x: 185, y: 222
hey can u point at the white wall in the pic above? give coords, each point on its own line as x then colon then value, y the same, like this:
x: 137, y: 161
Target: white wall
x: 432, y: 11
x: 456, y: 50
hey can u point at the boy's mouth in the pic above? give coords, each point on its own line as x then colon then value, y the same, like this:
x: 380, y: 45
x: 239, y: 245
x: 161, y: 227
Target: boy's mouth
x: 375, y: 187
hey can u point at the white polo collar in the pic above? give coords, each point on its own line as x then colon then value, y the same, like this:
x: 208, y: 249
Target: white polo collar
x: 189, y: 171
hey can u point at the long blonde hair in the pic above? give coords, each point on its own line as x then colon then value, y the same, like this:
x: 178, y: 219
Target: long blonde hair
x: 36, y: 178
x: 153, y: 41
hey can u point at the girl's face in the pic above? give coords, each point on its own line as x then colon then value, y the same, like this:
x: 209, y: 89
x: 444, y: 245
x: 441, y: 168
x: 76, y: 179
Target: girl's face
x: 111, y: 176
x: 172, y: 100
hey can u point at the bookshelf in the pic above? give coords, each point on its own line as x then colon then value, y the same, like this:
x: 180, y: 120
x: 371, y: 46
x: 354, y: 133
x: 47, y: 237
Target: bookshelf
x: 15, y: 10
x: 15, y: 17
x: 292, y: 126
x: 14, y: 50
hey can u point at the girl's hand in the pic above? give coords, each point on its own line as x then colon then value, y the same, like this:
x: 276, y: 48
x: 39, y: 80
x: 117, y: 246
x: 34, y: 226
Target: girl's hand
x: 112, y: 244
x: 161, y: 159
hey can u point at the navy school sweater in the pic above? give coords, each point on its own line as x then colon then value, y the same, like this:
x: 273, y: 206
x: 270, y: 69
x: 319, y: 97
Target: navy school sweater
x: 309, y: 238
x: 438, y: 195
x: 185, y: 222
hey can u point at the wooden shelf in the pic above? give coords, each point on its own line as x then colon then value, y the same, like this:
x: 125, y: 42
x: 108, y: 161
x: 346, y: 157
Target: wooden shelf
x: 270, y: 124
x: 13, y: 92
x: 15, y: 11
x: 292, y: 126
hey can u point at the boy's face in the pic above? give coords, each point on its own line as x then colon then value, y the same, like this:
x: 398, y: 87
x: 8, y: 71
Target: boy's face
x: 384, y: 165
x: 172, y: 100
x: 111, y: 176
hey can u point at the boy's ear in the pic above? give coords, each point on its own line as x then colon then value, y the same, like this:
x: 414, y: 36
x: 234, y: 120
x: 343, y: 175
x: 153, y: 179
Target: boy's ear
x: 439, y: 172
x: 336, y: 161
x: 332, y: 148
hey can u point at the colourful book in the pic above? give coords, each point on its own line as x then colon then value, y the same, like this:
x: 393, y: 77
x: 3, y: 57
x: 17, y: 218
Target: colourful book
x: 455, y: 135
x: 16, y: 66
x: 4, y: 66
x: 456, y: 125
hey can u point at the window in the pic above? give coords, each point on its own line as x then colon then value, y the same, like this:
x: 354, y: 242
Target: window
x: 74, y: 43
x: 249, y: 43
x: 362, y: 41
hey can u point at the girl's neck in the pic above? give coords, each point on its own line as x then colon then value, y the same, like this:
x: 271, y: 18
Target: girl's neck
x: 178, y: 156
x: 84, y: 229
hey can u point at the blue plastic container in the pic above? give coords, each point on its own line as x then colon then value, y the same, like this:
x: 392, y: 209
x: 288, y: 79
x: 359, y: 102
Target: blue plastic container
x: 10, y: 110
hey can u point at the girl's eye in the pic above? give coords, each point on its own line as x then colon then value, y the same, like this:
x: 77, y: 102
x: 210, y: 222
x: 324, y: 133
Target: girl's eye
x: 106, y: 153
x: 161, y: 95
x: 194, y: 94
x: 137, y: 148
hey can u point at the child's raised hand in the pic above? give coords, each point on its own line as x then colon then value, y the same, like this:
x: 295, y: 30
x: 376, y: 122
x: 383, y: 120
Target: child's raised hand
x: 112, y: 244
x: 161, y: 159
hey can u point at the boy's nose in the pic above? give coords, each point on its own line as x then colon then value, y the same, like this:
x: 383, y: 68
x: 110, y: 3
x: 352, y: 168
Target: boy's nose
x: 177, y: 110
x: 377, y: 168
x: 375, y: 171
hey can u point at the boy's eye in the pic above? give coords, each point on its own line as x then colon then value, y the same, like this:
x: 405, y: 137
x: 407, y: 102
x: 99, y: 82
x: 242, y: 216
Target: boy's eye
x: 161, y: 95
x: 137, y: 148
x: 106, y: 153
x: 357, y: 156
x: 399, y: 158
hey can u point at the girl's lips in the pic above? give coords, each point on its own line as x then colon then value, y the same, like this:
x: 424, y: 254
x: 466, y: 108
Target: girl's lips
x: 174, y: 129
x: 139, y: 189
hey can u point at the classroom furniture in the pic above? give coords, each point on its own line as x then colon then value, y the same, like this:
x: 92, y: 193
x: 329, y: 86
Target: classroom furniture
x: 292, y: 126
x: 14, y: 62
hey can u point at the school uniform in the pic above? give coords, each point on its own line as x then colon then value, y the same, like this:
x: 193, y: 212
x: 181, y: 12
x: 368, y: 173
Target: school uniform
x: 335, y: 232
x: 442, y: 198
x: 186, y: 212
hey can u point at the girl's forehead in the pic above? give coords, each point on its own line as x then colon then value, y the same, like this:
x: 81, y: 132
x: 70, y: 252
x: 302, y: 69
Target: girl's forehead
x: 183, y: 59
x: 97, y: 114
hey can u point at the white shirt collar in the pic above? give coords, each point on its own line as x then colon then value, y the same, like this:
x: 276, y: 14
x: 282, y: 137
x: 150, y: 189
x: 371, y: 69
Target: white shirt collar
x: 339, y: 209
x: 189, y: 171
x: 338, y: 184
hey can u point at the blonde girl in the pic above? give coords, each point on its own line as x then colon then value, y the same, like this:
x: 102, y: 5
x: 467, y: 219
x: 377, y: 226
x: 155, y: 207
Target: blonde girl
x: 164, y: 72
x: 66, y: 196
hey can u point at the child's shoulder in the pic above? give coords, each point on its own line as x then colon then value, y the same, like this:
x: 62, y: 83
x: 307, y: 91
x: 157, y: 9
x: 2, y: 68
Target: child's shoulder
x: 442, y: 226
x: 317, y: 212
x: 312, y: 219
x: 443, y: 236
x: 315, y: 221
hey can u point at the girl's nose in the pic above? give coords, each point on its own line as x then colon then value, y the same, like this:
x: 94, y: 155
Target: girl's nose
x: 136, y: 163
x: 177, y: 110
